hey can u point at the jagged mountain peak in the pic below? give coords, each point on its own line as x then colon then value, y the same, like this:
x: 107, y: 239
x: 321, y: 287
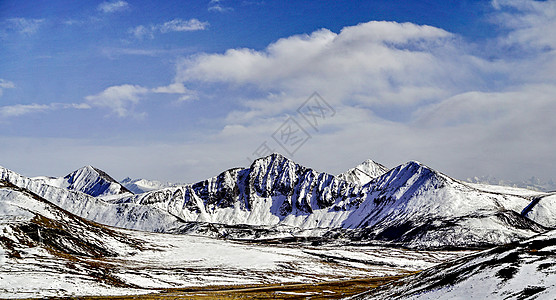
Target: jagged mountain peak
x: 274, y: 158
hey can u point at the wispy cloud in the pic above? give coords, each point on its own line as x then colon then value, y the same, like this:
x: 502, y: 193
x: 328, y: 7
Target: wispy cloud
x: 176, y: 25
x: 216, y: 6
x: 122, y: 99
x: 23, y: 25
x: 24, y: 109
x: 4, y: 84
x: 179, y: 89
x: 113, y: 6
x: 182, y: 25
x: 115, y: 52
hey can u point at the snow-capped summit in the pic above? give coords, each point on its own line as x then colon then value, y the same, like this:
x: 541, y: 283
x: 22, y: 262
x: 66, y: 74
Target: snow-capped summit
x: 364, y: 172
x: 94, y: 182
x: 88, y: 180
x: 138, y: 186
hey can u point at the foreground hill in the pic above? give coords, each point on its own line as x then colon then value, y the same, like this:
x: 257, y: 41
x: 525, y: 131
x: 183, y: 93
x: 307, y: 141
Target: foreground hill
x: 28, y: 220
x: 525, y: 270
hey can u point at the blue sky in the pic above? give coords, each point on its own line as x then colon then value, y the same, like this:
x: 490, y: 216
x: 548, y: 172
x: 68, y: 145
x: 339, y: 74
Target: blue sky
x: 181, y: 90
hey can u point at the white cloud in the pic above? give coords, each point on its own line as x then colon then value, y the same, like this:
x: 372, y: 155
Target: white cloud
x: 174, y: 88
x: 531, y: 25
x: 4, y: 84
x: 182, y: 25
x: 401, y: 91
x: 372, y: 64
x: 24, y: 109
x: 120, y: 99
x: 141, y: 32
x: 175, y: 25
x: 177, y: 88
x: 216, y: 6
x: 24, y: 25
x: 113, y: 6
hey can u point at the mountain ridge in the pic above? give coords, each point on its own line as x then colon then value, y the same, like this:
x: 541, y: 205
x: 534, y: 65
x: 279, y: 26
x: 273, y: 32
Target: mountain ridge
x: 410, y: 205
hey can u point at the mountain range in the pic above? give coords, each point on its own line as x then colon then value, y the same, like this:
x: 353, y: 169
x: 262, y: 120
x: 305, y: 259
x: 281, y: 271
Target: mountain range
x: 410, y: 205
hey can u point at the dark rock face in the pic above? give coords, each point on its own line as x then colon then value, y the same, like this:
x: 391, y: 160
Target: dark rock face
x: 301, y: 189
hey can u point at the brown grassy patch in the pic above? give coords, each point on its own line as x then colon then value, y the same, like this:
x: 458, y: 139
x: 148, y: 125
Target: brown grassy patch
x: 322, y: 290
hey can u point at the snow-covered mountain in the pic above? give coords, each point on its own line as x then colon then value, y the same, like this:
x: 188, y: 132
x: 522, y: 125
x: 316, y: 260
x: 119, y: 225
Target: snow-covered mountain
x: 88, y: 180
x: 126, y: 215
x: 411, y: 205
x: 524, y: 270
x: 364, y: 172
x: 139, y: 186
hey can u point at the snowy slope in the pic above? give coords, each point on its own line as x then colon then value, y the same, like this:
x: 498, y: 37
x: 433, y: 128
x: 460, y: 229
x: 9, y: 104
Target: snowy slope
x: 411, y: 205
x: 544, y: 210
x: 363, y: 173
x: 88, y: 180
x: 525, y: 270
x: 126, y: 215
x: 29, y: 219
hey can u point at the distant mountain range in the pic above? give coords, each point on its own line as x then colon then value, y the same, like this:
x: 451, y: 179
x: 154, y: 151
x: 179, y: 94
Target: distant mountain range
x: 410, y: 205
x: 532, y: 183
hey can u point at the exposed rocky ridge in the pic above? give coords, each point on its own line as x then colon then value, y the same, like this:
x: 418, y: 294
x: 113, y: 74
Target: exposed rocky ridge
x: 411, y: 205
x: 543, y: 210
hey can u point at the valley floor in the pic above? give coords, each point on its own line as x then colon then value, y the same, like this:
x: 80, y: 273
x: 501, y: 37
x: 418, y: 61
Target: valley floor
x: 321, y: 290
x: 185, y: 265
